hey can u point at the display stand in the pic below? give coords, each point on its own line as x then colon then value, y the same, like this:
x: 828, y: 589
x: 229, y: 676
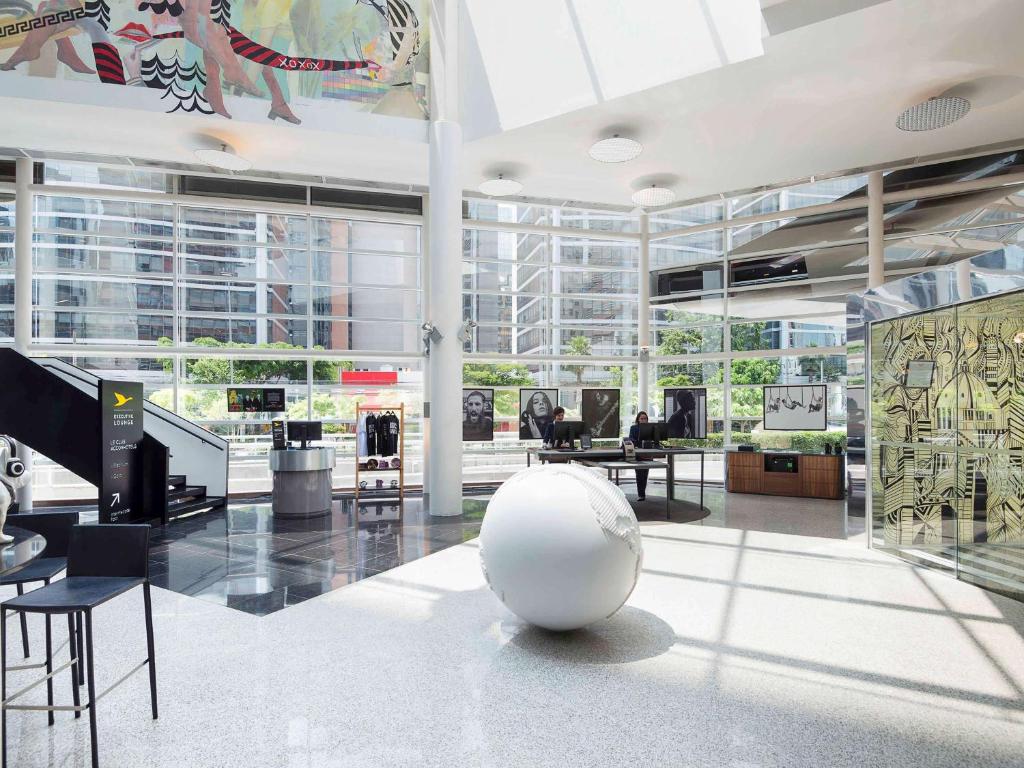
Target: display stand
x: 363, y: 473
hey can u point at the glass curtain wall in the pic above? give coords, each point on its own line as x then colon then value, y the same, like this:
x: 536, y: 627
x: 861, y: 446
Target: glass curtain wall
x: 284, y: 299
x: 191, y: 296
x: 6, y: 266
x: 544, y: 303
x: 739, y: 304
x: 736, y: 305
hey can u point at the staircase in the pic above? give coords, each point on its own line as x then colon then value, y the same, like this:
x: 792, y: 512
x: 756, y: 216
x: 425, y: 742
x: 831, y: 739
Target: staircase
x: 52, y: 407
x: 184, y: 499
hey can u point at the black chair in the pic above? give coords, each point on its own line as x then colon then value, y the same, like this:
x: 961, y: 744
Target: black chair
x: 55, y: 527
x: 104, y: 561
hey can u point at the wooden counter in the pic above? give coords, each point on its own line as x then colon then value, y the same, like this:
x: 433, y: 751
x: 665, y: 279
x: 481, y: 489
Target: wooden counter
x: 811, y: 475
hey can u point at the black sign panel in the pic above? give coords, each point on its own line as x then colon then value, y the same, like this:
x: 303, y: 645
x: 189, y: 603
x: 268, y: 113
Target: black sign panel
x: 120, y: 500
x: 273, y: 400
x: 277, y: 429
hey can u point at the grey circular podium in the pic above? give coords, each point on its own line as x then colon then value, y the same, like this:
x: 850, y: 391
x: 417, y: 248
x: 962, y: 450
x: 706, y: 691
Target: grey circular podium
x: 302, y: 481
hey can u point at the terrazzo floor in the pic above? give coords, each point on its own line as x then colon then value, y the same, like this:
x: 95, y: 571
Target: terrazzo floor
x: 742, y: 645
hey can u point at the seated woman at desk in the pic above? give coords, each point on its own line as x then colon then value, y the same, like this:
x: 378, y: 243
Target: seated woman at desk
x: 641, y: 474
x: 549, y: 431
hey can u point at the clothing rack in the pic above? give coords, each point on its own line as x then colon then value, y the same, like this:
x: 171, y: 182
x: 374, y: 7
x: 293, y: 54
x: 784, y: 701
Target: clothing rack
x: 364, y: 473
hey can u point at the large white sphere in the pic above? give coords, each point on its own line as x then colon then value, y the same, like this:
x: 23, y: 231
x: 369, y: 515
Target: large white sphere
x: 560, y: 546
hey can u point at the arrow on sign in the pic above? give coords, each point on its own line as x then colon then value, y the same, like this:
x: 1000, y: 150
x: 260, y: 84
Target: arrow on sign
x: 117, y: 498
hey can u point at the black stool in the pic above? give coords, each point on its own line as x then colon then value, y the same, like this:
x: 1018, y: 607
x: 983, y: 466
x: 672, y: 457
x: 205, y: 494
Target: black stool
x: 104, y: 561
x: 55, y: 527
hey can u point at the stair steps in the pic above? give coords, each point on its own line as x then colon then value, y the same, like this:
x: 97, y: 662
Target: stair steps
x: 184, y: 499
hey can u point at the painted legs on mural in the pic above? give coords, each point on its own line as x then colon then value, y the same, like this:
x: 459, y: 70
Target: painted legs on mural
x: 35, y: 39
x: 211, y: 37
x: 278, y: 104
x: 212, y: 92
x: 66, y: 54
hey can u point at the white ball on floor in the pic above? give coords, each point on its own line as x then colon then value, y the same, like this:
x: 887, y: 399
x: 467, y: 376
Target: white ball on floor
x: 560, y: 546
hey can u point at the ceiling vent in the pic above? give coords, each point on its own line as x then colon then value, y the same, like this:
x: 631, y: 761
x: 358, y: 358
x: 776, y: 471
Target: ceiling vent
x: 936, y: 112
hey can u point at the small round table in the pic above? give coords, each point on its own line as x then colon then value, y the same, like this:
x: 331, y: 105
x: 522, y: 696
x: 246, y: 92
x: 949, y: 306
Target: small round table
x: 26, y: 546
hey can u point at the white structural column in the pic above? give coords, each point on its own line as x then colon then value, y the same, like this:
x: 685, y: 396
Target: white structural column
x: 23, y: 291
x: 876, y: 231
x: 443, y: 422
x: 964, y: 288
x: 644, y: 315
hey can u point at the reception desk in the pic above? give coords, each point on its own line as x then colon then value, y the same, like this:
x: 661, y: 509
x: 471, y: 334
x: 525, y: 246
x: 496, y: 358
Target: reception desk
x: 302, y: 481
x: 785, y: 473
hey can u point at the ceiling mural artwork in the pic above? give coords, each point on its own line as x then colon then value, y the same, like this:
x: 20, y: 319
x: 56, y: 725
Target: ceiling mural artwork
x: 369, y: 55
x: 948, y: 457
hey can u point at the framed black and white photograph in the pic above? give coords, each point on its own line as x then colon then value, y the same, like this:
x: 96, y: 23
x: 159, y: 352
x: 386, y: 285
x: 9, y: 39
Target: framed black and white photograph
x: 686, y: 413
x: 796, y: 407
x: 536, y: 408
x: 600, y: 411
x: 478, y: 415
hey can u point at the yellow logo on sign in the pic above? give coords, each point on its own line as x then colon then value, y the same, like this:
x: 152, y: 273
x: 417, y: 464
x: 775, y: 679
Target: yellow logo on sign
x: 120, y: 399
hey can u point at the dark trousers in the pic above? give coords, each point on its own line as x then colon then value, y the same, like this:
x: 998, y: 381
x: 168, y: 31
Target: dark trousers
x: 641, y: 482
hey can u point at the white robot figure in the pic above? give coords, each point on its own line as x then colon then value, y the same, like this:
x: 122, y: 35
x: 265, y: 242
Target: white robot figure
x: 12, y: 477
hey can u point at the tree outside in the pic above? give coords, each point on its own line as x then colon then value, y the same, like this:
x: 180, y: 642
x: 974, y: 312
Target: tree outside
x: 578, y: 346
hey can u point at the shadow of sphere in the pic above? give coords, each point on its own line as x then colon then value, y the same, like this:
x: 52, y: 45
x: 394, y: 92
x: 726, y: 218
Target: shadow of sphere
x: 630, y: 635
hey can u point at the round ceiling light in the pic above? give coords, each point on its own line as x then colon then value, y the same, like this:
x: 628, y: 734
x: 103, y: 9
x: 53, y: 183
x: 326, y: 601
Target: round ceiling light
x: 936, y: 112
x: 617, y: 149
x: 653, y: 196
x: 500, y: 187
x: 223, y: 156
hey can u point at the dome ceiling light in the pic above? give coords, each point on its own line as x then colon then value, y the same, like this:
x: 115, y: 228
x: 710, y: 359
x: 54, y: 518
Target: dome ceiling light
x: 223, y: 155
x: 617, y: 149
x: 653, y: 196
x: 500, y: 187
x: 936, y: 112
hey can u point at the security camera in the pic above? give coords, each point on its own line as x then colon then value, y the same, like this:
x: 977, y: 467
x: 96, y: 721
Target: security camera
x: 465, y: 334
x: 430, y: 336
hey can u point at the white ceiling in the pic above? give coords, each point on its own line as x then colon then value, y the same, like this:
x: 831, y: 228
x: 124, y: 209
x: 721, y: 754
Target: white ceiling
x: 822, y: 98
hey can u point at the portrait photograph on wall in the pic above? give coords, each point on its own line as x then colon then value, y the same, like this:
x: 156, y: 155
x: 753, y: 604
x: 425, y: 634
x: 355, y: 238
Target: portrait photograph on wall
x: 478, y: 415
x: 686, y: 412
x: 536, y: 408
x: 796, y: 407
x: 600, y: 411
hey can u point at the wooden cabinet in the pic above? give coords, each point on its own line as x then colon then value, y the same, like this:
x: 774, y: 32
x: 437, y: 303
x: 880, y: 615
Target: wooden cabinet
x: 818, y: 476
x: 744, y: 472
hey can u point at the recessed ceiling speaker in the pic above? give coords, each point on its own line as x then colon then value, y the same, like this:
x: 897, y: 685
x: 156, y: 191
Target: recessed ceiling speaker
x: 500, y: 187
x: 653, y: 196
x: 616, y: 149
x: 936, y: 112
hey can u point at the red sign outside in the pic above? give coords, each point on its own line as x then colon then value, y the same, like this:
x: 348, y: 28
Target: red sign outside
x: 370, y: 378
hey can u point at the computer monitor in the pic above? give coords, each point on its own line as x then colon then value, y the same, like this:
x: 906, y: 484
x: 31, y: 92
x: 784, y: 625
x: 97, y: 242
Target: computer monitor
x: 651, y: 432
x: 568, y: 432
x: 304, y: 431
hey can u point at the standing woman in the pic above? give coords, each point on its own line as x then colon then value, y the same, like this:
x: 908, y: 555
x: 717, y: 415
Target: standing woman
x: 641, y: 474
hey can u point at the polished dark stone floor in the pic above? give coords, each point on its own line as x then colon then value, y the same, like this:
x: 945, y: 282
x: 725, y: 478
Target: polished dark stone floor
x: 245, y: 558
